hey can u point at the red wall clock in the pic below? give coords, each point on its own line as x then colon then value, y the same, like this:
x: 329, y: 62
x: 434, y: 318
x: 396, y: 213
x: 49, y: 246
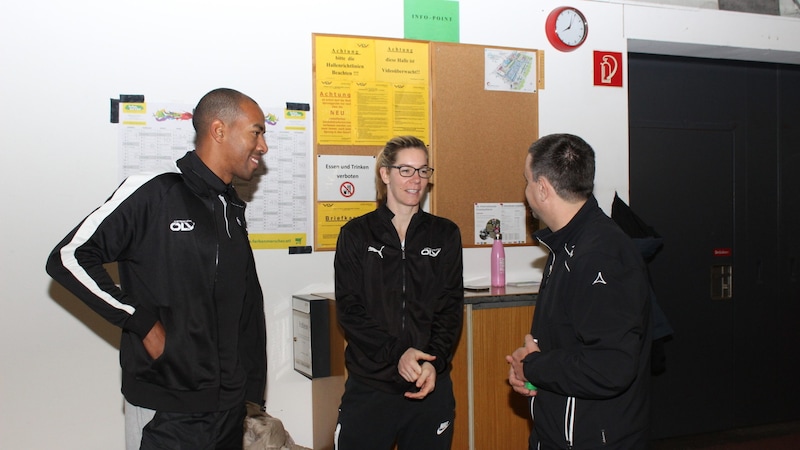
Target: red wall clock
x: 566, y: 28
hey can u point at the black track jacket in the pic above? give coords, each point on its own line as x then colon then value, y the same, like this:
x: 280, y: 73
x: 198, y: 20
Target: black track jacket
x: 592, y: 321
x: 388, y: 300
x: 165, y: 231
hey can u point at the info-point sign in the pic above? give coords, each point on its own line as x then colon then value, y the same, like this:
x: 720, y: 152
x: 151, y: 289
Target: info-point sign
x: 345, y: 178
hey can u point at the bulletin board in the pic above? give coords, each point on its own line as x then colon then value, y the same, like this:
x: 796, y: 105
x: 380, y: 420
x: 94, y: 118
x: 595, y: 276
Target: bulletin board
x: 481, y: 136
x: 366, y: 91
x: 478, y: 138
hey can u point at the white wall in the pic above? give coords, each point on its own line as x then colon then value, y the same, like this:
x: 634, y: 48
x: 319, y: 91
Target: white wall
x: 60, y: 62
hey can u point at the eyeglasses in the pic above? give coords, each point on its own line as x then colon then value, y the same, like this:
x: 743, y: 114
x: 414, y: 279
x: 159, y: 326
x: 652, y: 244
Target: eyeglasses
x: 408, y: 171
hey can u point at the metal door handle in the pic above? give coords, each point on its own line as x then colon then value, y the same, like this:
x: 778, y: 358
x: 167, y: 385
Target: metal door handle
x: 721, y: 282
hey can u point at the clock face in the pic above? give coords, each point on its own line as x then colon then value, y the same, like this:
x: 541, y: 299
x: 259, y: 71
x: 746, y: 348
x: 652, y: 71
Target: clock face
x: 566, y: 28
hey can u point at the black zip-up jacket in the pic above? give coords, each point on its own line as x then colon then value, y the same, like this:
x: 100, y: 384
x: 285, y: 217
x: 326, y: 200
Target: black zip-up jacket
x: 167, y: 232
x: 389, y: 299
x: 592, y: 322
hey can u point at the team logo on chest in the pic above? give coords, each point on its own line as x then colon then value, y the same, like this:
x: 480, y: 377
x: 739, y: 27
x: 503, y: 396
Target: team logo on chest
x: 432, y: 252
x: 179, y: 225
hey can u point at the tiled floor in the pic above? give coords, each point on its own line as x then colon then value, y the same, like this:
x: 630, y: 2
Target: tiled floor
x: 784, y: 436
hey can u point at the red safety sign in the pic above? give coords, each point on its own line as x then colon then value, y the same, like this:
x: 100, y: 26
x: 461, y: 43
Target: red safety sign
x: 608, y: 69
x: 347, y: 189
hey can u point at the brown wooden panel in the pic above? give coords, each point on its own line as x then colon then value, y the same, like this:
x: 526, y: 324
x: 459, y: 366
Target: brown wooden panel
x: 502, y: 420
x: 326, y: 394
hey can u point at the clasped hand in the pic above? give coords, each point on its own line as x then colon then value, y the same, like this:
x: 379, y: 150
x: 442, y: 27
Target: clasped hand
x: 415, y: 367
x: 516, y: 375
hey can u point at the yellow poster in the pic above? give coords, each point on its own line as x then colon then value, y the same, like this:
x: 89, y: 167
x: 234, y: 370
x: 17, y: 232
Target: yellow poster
x: 334, y: 112
x: 372, y: 111
x: 332, y: 215
x: 369, y: 90
x: 265, y: 241
x: 344, y: 58
x: 410, y: 110
x: 402, y: 61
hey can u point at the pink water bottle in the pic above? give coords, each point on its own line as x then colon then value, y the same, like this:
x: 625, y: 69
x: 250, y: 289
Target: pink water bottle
x: 498, y: 261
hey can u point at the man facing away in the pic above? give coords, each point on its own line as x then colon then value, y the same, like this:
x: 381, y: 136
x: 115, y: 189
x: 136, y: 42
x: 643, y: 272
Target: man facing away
x: 585, y: 364
x: 190, y: 306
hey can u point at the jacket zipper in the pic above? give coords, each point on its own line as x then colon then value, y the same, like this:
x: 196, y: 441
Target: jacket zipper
x: 225, y: 214
x: 403, y: 290
x: 549, y: 269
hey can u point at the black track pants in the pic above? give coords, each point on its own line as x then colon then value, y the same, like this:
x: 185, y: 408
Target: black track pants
x: 195, y: 431
x: 375, y: 420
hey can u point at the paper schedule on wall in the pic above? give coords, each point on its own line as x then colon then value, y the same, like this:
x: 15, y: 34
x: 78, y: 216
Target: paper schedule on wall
x: 278, y: 212
x: 152, y: 136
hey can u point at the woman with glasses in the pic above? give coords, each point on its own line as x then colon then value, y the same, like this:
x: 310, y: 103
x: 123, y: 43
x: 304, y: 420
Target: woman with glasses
x: 399, y: 300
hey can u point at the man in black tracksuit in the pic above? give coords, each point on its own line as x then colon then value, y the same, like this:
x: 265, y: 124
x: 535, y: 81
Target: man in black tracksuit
x: 190, y: 305
x: 587, y: 358
x: 399, y: 300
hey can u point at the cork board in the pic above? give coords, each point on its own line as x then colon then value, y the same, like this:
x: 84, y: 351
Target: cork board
x: 480, y: 137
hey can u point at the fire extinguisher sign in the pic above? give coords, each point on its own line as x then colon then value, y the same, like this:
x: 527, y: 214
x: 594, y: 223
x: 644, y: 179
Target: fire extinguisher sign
x: 607, y: 68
